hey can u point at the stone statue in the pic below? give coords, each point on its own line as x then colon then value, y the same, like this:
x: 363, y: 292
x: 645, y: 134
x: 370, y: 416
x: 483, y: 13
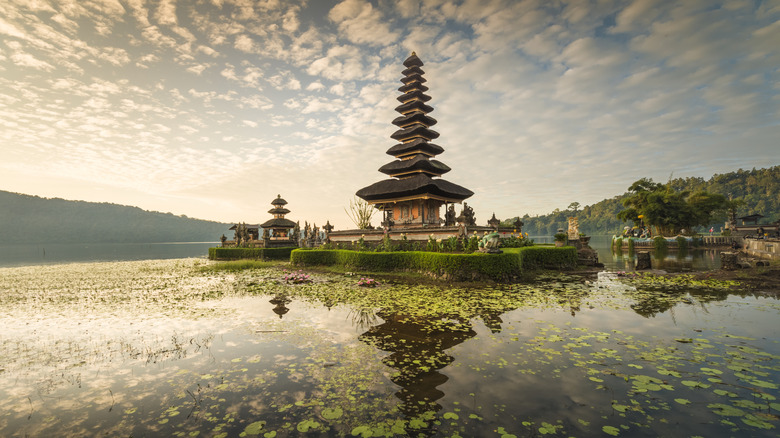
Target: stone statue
x: 223, y: 239
x: 242, y: 235
x: 489, y: 243
x: 449, y: 216
x: 468, y: 216
x: 574, y: 228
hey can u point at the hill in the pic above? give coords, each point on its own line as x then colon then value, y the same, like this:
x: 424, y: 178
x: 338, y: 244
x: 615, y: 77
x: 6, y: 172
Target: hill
x: 32, y: 219
x: 759, y: 188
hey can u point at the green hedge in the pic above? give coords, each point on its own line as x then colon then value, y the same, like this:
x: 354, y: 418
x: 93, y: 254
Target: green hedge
x: 449, y: 266
x: 537, y: 257
x: 250, y: 253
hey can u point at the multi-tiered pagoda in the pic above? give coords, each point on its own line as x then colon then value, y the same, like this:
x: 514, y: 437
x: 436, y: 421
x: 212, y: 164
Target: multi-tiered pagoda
x: 415, y: 193
x: 279, y: 227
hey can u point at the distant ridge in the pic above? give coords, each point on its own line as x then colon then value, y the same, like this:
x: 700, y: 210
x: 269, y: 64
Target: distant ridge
x: 759, y: 188
x: 32, y: 219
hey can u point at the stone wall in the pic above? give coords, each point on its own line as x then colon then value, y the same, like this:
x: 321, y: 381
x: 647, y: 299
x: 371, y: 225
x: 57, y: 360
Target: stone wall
x: 763, y: 248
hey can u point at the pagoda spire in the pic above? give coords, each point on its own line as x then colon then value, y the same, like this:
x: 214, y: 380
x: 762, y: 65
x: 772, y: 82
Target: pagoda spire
x: 416, y: 174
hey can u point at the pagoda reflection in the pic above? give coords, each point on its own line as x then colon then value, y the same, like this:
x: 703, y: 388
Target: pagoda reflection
x: 417, y: 348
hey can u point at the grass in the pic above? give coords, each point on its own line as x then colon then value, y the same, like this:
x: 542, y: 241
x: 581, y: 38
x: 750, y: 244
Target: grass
x: 240, y: 265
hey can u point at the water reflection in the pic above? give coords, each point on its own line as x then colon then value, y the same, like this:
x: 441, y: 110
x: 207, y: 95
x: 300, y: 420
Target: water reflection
x: 568, y: 356
x: 417, y: 353
x: 673, y: 261
x: 280, y: 301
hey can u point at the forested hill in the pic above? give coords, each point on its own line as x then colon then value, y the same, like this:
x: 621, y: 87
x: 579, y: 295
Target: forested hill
x: 31, y: 219
x: 759, y: 188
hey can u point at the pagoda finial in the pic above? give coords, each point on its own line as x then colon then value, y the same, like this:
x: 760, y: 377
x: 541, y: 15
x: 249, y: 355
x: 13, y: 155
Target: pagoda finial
x: 413, y: 54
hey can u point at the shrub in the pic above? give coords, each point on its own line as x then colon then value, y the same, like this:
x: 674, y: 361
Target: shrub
x: 682, y: 243
x: 250, y: 253
x: 516, y: 242
x: 472, y: 245
x: 660, y: 244
x: 538, y: 257
x: 498, y: 267
x: 631, y: 245
x: 452, y: 244
x: 386, y: 245
x: 560, y: 237
x: 433, y: 244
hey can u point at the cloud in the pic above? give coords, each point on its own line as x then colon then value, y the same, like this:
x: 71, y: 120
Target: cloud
x: 637, y: 16
x: 166, y: 12
x: 9, y: 29
x: 245, y: 44
x: 27, y: 60
x: 315, y: 86
x: 285, y: 80
x: 360, y: 23
x: 197, y: 68
x: 290, y: 21
x: 341, y: 63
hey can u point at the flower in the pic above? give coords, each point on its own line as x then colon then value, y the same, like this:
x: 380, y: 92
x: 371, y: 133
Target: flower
x: 367, y: 282
x: 297, y: 277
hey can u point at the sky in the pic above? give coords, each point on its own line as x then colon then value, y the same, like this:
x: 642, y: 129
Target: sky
x: 210, y: 108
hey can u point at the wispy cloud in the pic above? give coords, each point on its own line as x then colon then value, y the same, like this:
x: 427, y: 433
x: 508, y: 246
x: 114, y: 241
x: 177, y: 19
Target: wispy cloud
x: 188, y: 100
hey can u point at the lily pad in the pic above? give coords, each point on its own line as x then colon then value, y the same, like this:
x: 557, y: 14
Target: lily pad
x: 332, y: 413
x: 255, y: 428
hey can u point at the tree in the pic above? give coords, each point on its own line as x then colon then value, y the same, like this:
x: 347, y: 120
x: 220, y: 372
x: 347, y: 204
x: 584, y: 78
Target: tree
x: 360, y: 213
x: 574, y: 206
x: 670, y: 211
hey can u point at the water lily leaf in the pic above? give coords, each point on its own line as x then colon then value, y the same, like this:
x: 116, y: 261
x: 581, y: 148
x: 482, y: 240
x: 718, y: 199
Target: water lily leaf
x: 762, y: 384
x: 549, y: 429
x: 450, y: 416
x: 271, y: 434
x: 332, y: 413
x: 255, y: 428
x: 306, y: 425
x: 752, y: 420
x: 619, y: 408
x: 726, y: 410
x: 682, y: 401
x: 363, y: 431
x: 610, y: 430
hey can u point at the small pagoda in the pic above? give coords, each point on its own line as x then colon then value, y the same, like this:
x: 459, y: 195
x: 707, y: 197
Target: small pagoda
x: 277, y: 231
x: 414, y: 195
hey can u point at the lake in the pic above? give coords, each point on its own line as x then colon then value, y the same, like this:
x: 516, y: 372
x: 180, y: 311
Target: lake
x: 177, y: 348
x: 41, y: 254
x: 54, y: 253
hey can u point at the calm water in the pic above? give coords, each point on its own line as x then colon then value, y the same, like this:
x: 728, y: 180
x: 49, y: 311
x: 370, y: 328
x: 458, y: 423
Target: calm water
x: 672, y: 261
x: 46, y: 254
x: 23, y: 255
x: 166, y: 348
